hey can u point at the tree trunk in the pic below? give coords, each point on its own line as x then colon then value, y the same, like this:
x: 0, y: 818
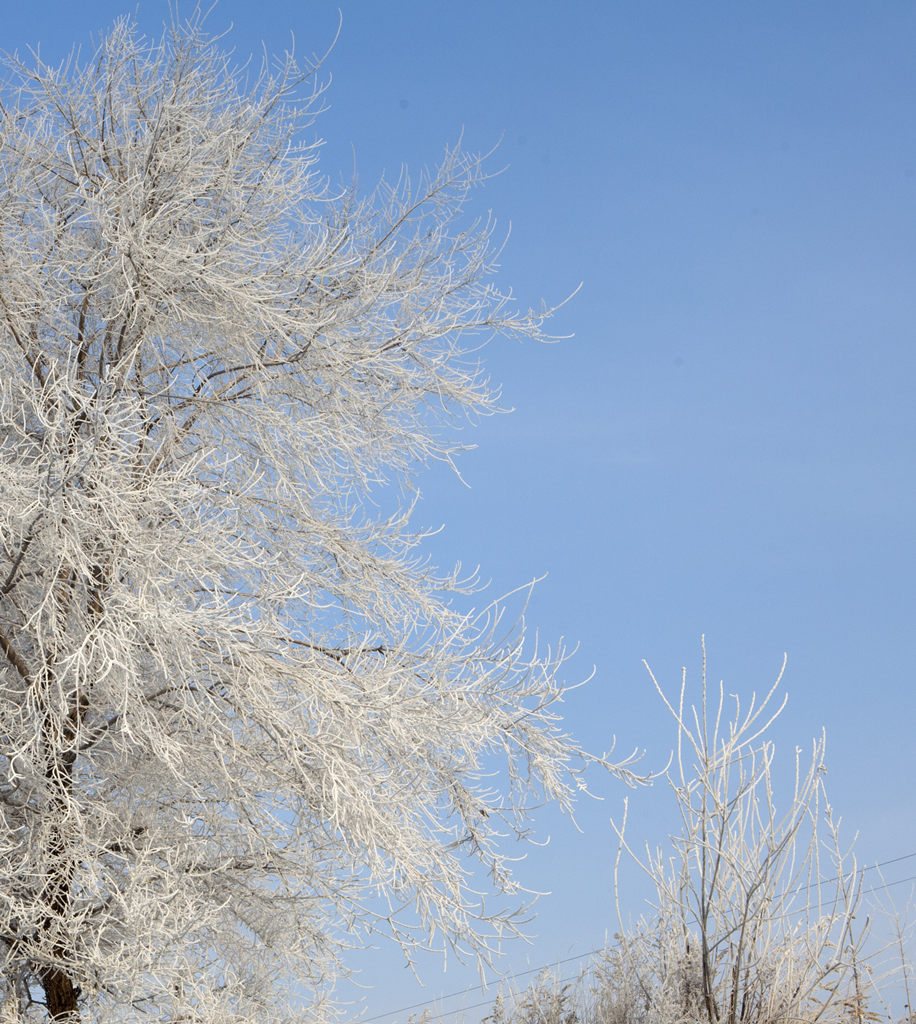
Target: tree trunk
x: 60, y: 996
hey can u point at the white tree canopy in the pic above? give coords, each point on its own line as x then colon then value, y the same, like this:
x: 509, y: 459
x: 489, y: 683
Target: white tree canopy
x: 242, y: 722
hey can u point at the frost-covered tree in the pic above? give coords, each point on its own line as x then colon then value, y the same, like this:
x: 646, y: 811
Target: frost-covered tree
x: 755, y: 907
x: 242, y: 722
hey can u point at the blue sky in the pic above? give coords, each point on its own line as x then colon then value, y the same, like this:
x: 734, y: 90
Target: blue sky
x: 728, y: 444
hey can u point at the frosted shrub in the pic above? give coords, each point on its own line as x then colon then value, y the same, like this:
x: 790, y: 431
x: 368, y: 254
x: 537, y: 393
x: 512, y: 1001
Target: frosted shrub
x: 754, y: 917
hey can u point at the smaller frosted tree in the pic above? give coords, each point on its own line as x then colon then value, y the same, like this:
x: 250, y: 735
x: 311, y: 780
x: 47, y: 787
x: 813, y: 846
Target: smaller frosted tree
x: 755, y: 905
x: 241, y: 722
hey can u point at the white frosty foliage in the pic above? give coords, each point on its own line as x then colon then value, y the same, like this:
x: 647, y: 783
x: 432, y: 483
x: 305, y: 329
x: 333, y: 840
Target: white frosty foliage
x: 238, y: 715
x: 756, y: 900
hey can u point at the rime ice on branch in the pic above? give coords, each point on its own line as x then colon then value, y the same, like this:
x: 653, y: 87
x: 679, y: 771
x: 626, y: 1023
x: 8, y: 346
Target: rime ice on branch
x: 754, y: 915
x: 241, y: 724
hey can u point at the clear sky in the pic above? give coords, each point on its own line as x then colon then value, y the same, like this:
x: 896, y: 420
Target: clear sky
x: 728, y: 444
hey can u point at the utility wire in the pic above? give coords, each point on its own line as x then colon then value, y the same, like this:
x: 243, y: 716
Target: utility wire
x: 569, y: 980
x: 887, y: 885
x: 487, y: 1002
x: 871, y: 867
x: 461, y: 992
x: 594, y: 952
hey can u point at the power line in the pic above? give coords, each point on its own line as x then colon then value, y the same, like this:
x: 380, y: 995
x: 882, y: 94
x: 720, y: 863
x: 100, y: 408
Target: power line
x: 888, y: 885
x: 572, y: 978
x: 870, y: 867
x: 487, y: 1002
x: 893, y: 860
x: 461, y: 992
x: 593, y: 952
